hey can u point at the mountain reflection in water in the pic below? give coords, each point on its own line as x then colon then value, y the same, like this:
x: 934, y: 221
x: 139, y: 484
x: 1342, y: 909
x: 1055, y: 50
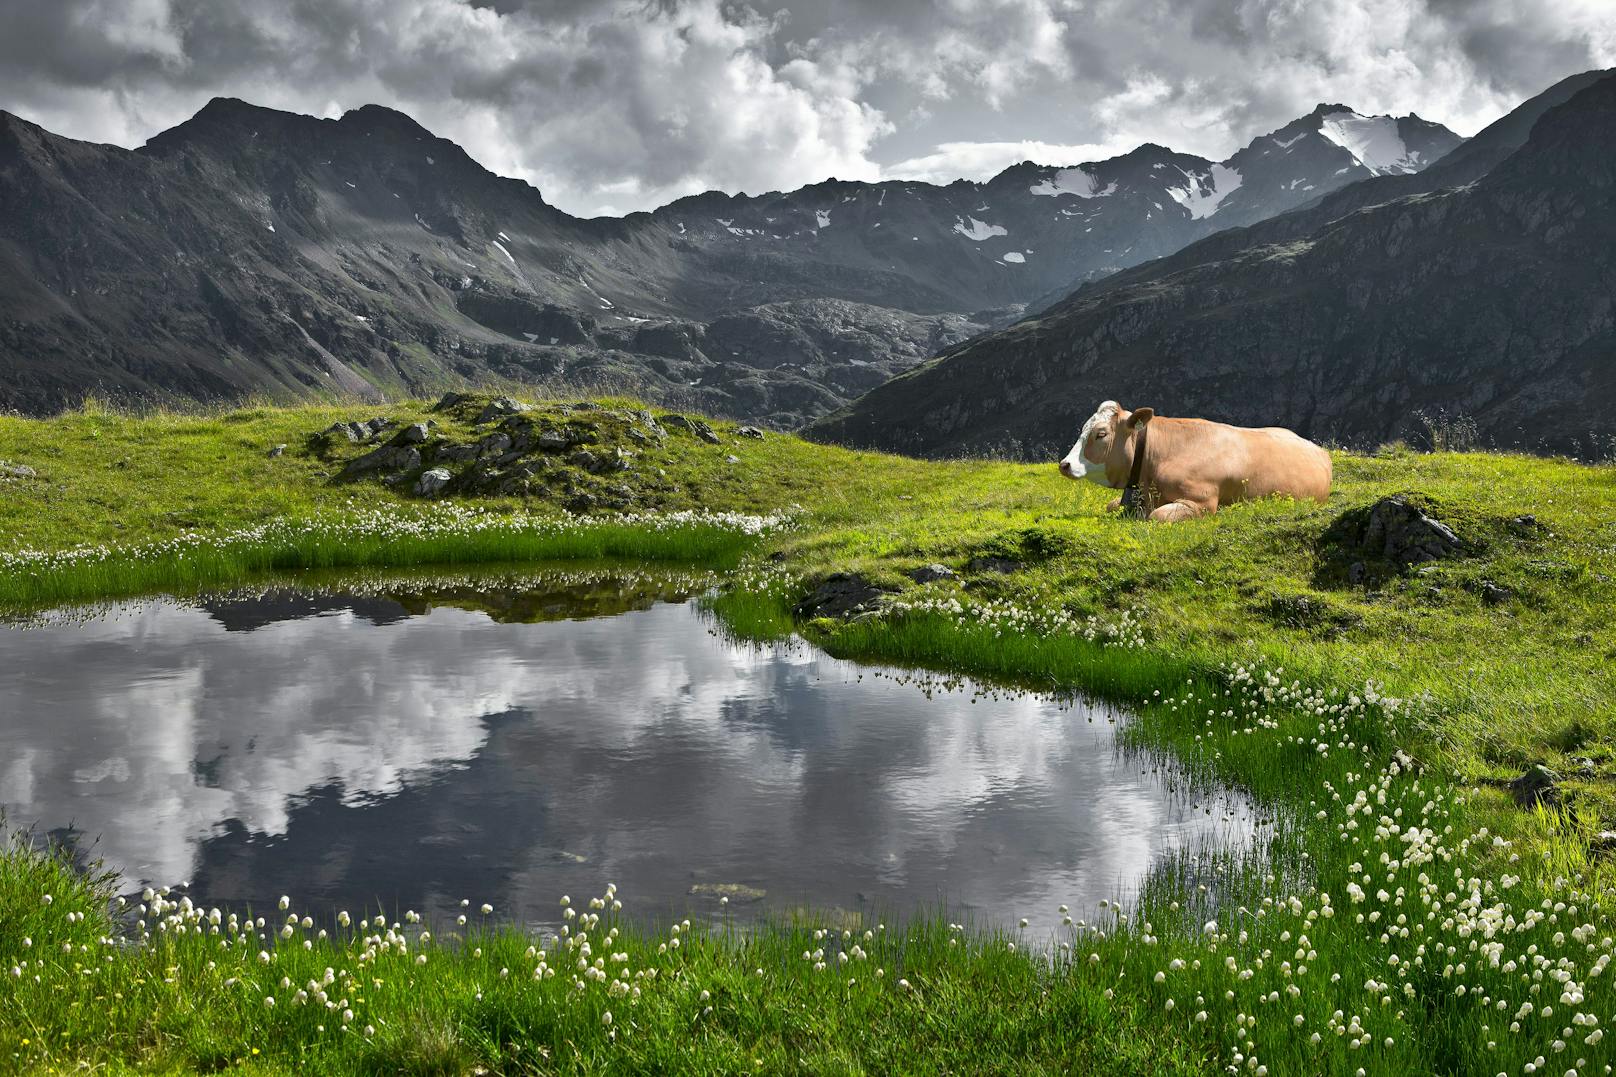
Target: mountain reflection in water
x: 402, y: 750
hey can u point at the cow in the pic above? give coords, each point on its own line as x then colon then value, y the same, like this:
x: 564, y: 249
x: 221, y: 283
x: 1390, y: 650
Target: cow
x: 1176, y: 469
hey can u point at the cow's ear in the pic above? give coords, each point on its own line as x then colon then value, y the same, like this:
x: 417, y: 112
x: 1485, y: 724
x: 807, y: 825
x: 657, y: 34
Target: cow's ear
x: 1141, y: 416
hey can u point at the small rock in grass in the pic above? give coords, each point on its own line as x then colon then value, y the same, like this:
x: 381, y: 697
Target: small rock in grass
x: 432, y: 481
x: 732, y: 459
x: 449, y: 400
x: 1539, y: 785
x: 500, y: 407
x: 931, y: 573
x: 413, y: 434
x: 695, y: 426
x: 750, y: 432
x: 351, y: 431
x: 841, y: 594
x: 277, y: 450
x: 1494, y: 595
x: 17, y: 471
x: 552, y: 440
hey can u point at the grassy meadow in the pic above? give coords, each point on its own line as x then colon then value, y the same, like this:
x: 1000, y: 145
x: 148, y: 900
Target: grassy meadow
x: 1404, y: 915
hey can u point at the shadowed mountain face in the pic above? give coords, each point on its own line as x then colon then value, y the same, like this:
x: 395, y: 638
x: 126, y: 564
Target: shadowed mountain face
x: 1495, y: 298
x: 249, y: 250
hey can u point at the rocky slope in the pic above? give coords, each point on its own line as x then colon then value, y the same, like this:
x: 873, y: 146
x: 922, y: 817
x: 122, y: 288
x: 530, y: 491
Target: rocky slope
x: 249, y: 250
x: 1495, y: 299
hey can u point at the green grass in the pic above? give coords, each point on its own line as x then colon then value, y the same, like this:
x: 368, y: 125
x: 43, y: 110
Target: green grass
x: 1245, y: 653
x: 372, y: 539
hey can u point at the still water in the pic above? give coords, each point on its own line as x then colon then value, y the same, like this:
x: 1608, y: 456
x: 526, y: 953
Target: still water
x: 508, y: 740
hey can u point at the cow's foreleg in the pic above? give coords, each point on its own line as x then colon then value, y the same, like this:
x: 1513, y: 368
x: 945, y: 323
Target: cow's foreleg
x: 1182, y: 509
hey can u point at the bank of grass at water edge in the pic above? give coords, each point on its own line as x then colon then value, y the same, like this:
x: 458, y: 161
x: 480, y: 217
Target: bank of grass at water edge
x: 1360, y: 718
x: 391, y: 538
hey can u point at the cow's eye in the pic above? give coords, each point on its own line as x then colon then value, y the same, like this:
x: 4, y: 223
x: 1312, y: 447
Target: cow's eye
x: 1100, y: 436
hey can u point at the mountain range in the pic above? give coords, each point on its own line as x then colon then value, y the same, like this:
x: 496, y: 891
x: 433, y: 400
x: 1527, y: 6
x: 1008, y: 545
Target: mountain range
x: 1483, y: 287
x: 251, y: 251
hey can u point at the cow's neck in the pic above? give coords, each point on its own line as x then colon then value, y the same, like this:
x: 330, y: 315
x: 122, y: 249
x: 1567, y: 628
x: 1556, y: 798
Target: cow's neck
x: 1133, y: 491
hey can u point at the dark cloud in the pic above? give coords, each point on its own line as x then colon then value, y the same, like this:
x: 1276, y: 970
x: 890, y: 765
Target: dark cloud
x: 618, y: 106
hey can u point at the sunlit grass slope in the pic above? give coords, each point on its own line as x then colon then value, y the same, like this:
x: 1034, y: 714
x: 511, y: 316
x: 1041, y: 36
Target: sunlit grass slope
x: 1404, y: 916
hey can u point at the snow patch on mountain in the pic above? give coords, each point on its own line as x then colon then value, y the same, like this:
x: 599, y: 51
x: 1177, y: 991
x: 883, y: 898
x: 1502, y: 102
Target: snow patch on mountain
x: 1372, y: 140
x: 1287, y: 143
x: 1014, y: 256
x: 1204, y: 194
x: 1076, y: 181
x: 823, y: 217
x: 978, y: 230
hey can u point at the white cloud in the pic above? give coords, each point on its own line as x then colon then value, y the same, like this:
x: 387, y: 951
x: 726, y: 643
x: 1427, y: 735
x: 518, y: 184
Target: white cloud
x: 625, y: 104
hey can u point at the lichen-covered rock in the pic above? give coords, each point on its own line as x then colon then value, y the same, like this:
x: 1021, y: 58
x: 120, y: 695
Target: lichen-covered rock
x: 932, y: 573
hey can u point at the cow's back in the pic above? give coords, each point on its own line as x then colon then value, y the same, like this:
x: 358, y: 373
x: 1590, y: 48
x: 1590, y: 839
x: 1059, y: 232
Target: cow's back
x: 1240, y: 462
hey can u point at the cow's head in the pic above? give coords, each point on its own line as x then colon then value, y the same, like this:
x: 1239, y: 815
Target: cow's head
x: 1104, y: 450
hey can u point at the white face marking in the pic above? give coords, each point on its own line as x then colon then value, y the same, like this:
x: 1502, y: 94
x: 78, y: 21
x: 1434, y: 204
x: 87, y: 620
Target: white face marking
x: 1093, y: 470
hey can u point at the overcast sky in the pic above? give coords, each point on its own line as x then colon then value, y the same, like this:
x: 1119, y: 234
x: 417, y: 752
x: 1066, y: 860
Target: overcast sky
x: 612, y: 107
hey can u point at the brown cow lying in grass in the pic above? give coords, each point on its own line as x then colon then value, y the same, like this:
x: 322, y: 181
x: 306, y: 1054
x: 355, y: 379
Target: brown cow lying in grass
x: 1173, y: 469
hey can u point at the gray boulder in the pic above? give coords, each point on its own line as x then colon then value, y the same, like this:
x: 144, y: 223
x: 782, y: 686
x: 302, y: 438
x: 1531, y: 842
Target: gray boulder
x: 750, y: 432
x: 432, y: 481
x: 16, y: 471
x: 277, y: 450
x: 932, y: 573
